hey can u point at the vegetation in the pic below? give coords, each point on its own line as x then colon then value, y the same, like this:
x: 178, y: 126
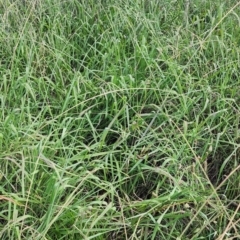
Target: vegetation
x: 119, y: 119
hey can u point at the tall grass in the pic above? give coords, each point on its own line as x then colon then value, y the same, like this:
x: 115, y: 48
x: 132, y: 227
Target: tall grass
x: 119, y: 119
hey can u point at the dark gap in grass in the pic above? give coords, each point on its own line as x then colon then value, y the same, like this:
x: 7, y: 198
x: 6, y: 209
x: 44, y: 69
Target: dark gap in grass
x: 143, y: 188
x: 215, y: 161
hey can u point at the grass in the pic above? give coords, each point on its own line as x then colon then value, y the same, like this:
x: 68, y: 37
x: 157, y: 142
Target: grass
x: 119, y: 119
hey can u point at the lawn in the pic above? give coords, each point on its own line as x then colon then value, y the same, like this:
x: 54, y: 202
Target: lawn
x: 119, y: 120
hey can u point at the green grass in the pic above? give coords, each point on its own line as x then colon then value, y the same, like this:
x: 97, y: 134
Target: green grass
x: 119, y: 119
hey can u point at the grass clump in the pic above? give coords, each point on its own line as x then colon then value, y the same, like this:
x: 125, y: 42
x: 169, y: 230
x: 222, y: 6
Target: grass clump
x: 119, y: 119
